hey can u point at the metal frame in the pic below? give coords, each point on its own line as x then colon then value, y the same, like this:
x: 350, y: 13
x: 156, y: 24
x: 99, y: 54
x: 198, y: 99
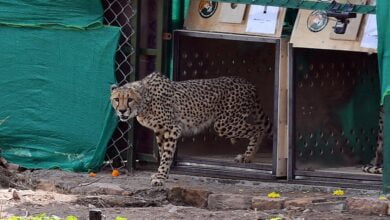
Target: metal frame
x: 130, y: 165
x: 229, y: 169
x: 303, y: 4
x: 317, y: 177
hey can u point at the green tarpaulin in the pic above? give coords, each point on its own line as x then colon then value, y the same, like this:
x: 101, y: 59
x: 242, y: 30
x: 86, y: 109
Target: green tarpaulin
x: 68, y: 13
x: 54, y: 91
x: 383, y: 19
x: 383, y: 22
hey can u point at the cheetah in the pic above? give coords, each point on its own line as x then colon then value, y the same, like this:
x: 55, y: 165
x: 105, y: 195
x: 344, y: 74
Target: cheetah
x: 376, y: 165
x: 183, y: 108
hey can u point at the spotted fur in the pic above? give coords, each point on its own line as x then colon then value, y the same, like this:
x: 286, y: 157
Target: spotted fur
x: 376, y: 165
x: 172, y: 109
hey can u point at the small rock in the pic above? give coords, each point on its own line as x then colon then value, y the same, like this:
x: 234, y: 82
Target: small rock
x: 15, y: 195
x: 229, y: 202
x: 173, y: 209
x: 367, y: 206
x: 127, y: 193
x: 306, y: 210
x: 3, y: 162
x: 185, y: 196
x: 13, y: 167
x: 265, y: 203
x: 91, y: 206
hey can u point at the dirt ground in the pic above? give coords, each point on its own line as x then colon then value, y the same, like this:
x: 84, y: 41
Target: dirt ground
x: 62, y: 194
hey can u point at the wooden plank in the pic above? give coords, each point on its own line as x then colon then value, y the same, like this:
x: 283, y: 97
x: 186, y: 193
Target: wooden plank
x: 232, y: 13
x: 282, y: 149
x: 354, y: 24
x: 302, y: 37
x: 195, y: 22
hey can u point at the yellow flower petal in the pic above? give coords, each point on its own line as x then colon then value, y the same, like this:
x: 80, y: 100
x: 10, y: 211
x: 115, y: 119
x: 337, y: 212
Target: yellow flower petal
x: 273, y: 195
x: 382, y: 197
x: 338, y: 192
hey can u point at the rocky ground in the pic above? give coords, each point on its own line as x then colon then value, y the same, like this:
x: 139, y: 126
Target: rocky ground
x: 184, y: 197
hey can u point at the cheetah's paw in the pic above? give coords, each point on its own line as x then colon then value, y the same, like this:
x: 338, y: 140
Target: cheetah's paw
x: 242, y: 159
x: 157, y: 182
x: 239, y: 158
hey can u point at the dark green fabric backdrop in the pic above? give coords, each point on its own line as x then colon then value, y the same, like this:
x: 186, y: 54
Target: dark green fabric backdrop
x: 68, y: 13
x: 55, y: 87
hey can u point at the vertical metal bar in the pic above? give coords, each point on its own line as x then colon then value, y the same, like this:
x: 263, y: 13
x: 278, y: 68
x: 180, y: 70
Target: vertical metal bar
x: 275, y: 118
x: 130, y: 165
x: 176, y: 21
x: 176, y: 55
x: 161, y: 19
x: 291, y: 115
x: 160, y: 31
x: 167, y: 43
x: 176, y: 72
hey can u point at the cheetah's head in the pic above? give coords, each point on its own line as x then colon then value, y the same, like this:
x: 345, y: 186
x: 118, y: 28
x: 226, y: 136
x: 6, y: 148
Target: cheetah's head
x: 126, y: 99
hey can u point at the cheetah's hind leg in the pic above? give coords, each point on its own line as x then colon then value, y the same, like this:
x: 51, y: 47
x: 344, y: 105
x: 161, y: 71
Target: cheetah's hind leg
x: 253, y: 147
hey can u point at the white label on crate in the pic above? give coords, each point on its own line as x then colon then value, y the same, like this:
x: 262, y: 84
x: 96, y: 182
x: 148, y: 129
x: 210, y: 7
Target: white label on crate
x: 262, y: 19
x: 370, y: 36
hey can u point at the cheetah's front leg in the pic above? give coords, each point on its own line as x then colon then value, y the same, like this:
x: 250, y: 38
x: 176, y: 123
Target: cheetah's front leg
x: 168, y: 144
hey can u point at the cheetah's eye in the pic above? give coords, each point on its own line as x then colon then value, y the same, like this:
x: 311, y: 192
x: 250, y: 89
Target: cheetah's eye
x: 116, y: 99
x: 129, y: 100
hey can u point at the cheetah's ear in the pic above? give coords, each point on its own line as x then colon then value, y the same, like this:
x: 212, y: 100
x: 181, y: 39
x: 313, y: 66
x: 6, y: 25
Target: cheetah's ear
x: 135, y: 94
x: 113, y: 87
x: 133, y: 85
